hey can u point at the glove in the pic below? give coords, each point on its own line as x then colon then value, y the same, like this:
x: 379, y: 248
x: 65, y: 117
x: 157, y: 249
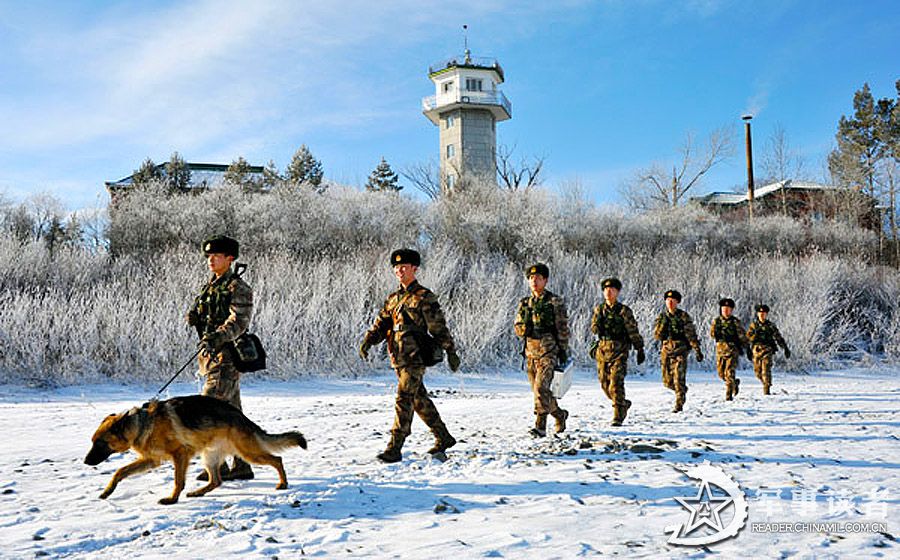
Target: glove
x: 211, y: 343
x: 699, y: 355
x: 562, y: 356
x: 641, y: 356
x: 364, y: 350
x: 750, y: 353
x: 787, y: 353
x: 453, y: 360
x: 193, y: 318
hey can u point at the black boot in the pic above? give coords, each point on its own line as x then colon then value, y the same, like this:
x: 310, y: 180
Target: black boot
x: 392, y: 453
x: 442, y: 440
x: 560, y: 417
x: 540, y: 426
x: 223, y: 472
x: 737, y: 386
x: 240, y: 470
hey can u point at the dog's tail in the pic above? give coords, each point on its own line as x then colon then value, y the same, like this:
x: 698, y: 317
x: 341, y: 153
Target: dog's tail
x: 277, y: 442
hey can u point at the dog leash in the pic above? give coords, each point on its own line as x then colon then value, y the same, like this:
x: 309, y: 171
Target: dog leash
x: 177, y: 373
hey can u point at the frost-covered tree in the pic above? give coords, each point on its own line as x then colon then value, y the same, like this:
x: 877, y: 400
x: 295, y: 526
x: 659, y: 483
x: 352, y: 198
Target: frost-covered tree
x: 305, y: 169
x: 146, y: 174
x: 271, y: 176
x: 178, y: 175
x: 238, y: 174
x: 383, y: 179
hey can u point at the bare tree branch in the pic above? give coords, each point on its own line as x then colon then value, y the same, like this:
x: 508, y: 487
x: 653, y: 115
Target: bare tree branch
x: 651, y: 187
x: 780, y: 161
x: 424, y: 177
x: 521, y: 174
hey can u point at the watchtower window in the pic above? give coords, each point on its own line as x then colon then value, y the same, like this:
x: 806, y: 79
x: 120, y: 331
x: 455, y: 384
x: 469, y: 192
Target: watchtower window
x: 473, y: 84
x: 451, y: 151
x: 447, y: 86
x: 451, y: 121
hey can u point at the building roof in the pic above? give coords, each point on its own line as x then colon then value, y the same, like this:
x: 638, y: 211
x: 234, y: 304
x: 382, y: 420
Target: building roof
x: 466, y: 60
x: 733, y: 199
x: 202, y: 175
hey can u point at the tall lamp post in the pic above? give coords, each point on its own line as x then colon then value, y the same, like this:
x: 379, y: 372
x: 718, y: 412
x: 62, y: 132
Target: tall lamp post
x: 747, y: 119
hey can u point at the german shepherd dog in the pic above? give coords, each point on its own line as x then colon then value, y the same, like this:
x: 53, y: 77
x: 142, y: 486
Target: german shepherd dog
x: 180, y: 428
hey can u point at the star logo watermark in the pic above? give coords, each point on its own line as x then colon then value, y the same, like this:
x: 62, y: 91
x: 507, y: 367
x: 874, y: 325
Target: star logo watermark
x: 707, y: 509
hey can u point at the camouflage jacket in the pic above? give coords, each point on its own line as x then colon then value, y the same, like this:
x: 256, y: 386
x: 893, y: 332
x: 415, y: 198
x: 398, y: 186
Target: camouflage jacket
x: 765, y: 334
x: 616, y: 322
x: 543, y: 316
x: 729, y: 331
x: 676, y: 326
x: 407, y: 313
x: 224, y: 305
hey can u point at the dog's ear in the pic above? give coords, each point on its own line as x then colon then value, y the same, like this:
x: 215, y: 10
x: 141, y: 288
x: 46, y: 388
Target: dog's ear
x: 120, y: 426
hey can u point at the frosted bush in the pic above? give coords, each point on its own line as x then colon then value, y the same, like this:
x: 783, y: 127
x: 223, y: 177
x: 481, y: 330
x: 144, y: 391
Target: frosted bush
x: 318, y: 265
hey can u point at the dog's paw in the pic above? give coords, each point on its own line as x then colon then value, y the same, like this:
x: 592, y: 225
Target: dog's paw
x: 168, y: 501
x: 281, y: 486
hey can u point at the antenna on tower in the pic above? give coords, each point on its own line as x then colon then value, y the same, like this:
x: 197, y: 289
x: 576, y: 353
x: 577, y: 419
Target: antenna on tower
x: 466, y: 43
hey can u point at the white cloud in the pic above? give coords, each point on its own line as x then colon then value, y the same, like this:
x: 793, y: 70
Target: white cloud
x: 195, y: 73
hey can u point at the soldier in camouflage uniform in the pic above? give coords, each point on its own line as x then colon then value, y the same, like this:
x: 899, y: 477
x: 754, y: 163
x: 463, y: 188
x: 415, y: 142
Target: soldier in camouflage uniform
x: 221, y: 313
x: 730, y: 339
x: 765, y: 340
x: 408, y: 314
x: 616, y: 330
x: 542, y: 322
x: 675, y: 330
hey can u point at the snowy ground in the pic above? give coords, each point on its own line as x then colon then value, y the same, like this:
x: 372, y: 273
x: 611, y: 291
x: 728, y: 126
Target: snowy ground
x: 822, y: 448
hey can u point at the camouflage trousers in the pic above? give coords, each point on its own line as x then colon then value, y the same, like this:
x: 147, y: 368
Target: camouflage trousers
x: 222, y: 380
x: 762, y: 365
x: 412, y: 396
x: 612, y: 366
x: 673, y: 357
x: 541, y: 360
x: 726, y: 364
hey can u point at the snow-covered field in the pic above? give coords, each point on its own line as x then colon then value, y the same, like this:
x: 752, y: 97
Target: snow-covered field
x: 822, y: 448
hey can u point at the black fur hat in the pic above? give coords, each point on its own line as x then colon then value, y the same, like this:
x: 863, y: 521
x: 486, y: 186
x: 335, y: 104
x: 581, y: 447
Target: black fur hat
x: 674, y: 294
x: 406, y: 256
x: 221, y: 244
x: 611, y: 283
x: 539, y: 268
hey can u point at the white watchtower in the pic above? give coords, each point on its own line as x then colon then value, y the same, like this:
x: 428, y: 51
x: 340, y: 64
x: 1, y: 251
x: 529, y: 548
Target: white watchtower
x: 466, y: 107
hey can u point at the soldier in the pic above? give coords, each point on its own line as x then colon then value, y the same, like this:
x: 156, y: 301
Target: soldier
x: 221, y: 313
x: 542, y: 322
x: 616, y: 331
x: 765, y: 340
x: 675, y: 330
x: 730, y: 339
x: 407, y: 317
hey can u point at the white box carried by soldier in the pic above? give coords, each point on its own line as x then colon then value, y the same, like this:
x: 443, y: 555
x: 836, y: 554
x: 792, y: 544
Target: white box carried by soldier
x: 562, y: 378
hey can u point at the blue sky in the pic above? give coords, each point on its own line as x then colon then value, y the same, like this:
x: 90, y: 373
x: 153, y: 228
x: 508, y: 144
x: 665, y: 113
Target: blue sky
x: 90, y: 89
